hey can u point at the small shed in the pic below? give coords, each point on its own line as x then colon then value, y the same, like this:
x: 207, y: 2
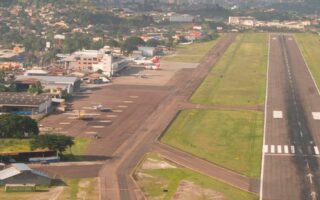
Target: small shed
x: 20, y: 173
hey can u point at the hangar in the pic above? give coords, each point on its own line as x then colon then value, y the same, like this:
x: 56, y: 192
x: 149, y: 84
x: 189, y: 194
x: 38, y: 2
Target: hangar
x: 24, y: 103
x: 20, y: 173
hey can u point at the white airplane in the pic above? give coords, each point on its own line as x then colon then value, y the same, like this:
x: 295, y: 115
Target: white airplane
x: 145, y: 61
x: 155, y: 66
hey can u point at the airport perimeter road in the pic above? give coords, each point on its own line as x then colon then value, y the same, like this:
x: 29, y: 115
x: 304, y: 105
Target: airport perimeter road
x: 291, y: 156
x: 115, y: 179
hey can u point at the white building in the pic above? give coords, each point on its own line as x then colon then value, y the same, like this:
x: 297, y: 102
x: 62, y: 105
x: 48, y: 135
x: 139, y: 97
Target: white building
x: 242, y: 21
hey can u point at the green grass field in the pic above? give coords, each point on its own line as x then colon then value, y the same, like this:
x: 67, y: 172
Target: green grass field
x: 191, y: 53
x: 310, y: 46
x: 232, y: 139
x: 20, y: 145
x: 157, y: 179
x: 239, y: 77
x: 14, y: 145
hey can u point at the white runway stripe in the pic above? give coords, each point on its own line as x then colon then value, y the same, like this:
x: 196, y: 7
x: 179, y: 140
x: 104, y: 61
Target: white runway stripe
x: 279, y: 149
x: 272, y: 148
x: 265, y: 148
x: 316, y: 150
x: 293, y: 149
x: 290, y: 149
x: 286, y: 150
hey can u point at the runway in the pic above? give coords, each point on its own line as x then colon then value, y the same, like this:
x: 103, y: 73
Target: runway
x: 291, y: 144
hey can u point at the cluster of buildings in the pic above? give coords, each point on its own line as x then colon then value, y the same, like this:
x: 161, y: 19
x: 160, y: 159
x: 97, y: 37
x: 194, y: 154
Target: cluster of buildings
x: 251, y: 22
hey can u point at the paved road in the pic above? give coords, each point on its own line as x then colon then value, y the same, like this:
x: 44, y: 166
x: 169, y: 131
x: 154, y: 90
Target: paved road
x: 291, y: 160
x: 116, y: 182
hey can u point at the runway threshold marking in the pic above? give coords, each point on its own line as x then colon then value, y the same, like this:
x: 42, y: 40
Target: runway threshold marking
x: 279, y: 149
x: 316, y: 150
x: 316, y: 115
x: 277, y: 114
x: 286, y: 150
x: 292, y: 149
x: 272, y: 149
x: 265, y: 148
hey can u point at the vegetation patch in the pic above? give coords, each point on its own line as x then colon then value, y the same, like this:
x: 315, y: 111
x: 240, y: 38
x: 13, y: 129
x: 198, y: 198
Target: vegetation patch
x: 239, y: 78
x: 87, y: 188
x: 192, y: 53
x: 232, y: 139
x: 14, y: 145
x: 310, y: 47
x: 183, y: 184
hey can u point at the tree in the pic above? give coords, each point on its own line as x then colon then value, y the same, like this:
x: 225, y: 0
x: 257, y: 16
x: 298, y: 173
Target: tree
x: 131, y: 44
x: 16, y: 126
x: 152, y: 43
x: 113, y: 43
x: 35, y: 89
x: 52, y: 142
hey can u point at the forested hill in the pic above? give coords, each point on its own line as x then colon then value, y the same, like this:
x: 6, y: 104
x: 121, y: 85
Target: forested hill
x: 306, y: 7
x: 8, y: 3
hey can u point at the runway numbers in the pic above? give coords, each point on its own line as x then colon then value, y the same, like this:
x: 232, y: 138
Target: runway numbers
x: 277, y: 114
x: 289, y: 149
x: 316, y: 115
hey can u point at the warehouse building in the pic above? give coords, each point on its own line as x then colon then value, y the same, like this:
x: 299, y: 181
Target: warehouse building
x: 54, y: 84
x: 20, y: 173
x: 24, y: 103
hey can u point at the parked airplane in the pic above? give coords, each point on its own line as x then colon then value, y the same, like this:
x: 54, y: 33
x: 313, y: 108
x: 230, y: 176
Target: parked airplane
x: 155, y: 66
x: 145, y: 61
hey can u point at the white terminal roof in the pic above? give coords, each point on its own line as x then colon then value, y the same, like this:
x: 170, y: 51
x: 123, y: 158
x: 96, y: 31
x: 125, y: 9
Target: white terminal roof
x: 52, y: 79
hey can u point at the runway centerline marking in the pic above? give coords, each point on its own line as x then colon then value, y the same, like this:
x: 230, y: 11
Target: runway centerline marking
x: 64, y: 123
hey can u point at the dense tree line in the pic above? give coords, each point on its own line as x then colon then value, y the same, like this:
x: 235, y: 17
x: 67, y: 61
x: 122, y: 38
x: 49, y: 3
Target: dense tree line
x: 54, y: 142
x: 15, y: 126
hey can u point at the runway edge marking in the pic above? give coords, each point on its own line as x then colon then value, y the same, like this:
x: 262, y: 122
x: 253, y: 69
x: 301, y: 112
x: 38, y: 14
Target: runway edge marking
x: 304, y: 60
x: 265, y: 123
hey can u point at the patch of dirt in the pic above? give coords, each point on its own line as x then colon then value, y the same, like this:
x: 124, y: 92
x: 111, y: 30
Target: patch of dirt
x: 141, y: 175
x: 157, y: 164
x: 187, y: 190
x: 83, y: 184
